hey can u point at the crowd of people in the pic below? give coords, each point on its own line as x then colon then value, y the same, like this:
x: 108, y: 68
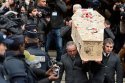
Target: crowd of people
x: 29, y: 28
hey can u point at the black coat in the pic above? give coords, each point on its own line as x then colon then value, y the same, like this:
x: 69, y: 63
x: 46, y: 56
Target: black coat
x: 39, y: 22
x: 75, y: 71
x: 59, y: 8
x: 113, y: 65
x: 107, y: 70
x: 108, y: 34
x: 2, y: 80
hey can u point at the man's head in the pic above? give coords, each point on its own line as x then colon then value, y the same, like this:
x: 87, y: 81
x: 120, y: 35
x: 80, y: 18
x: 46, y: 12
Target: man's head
x: 108, y: 45
x: 17, y: 44
x: 71, y: 48
x: 41, y: 3
x: 32, y: 11
x: 31, y: 37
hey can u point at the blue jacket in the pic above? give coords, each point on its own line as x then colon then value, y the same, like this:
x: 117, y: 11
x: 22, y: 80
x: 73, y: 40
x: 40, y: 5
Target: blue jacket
x: 35, y: 50
x: 20, y: 72
x: 2, y: 73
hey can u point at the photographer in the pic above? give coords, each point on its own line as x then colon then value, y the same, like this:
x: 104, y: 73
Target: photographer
x: 32, y: 16
x: 115, y: 17
x: 35, y: 17
x: 58, y: 8
x: 44, y: 10
x: 44, y: 17
x: 115, y: 22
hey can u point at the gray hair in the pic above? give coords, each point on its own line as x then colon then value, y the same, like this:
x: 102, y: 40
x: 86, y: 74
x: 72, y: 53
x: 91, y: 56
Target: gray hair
x: 76, y: 7
x: 69, y: 43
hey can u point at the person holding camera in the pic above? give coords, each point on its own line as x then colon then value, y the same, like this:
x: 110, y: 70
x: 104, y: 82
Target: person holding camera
x: 40, y: 17
x: 18, y: 70
x: 44, y: 18
x: 75, y: 69
x: 32, y: 16
x: 58, y: 8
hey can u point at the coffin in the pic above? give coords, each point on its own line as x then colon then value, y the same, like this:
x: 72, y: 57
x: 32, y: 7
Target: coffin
x: 87, y: 33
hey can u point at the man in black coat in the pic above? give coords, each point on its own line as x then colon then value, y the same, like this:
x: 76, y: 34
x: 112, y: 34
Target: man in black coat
x: 104, y: 71
x: 39, y: 16
x: 75, y: 69
x: 58, y: 8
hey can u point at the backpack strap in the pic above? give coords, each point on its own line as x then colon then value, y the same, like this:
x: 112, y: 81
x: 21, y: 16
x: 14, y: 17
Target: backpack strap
x: 29, y: 70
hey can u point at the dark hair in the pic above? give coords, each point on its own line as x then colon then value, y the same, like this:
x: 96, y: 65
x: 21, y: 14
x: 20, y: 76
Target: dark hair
x: 30, y: 9
x: 32, y: 40
x: 67, y: 19
x: 14, y: 47
x: 107, y: 22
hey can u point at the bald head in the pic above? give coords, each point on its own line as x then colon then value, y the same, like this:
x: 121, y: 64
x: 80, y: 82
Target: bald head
x: 41, y: 3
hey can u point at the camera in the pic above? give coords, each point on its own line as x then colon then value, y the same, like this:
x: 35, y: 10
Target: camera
x: 39, y: 15
x: 123, y: 15
x: 52, y: 3
x: 56, y: 70
x: 120, y: 6
x: 56, y: 66
x: 43, y: 13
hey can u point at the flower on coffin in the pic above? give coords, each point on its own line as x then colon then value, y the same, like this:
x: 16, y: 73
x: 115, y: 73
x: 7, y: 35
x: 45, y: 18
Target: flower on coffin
x: 87, y: 15
x: 94, y: 30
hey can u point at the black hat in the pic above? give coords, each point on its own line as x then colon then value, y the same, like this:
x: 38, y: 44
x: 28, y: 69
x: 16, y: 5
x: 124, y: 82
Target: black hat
x: 4, y: 39
x: 17, y: 39
x: 31, y: 34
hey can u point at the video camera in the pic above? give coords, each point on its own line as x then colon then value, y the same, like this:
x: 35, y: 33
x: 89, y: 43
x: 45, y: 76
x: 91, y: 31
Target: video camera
x: 52, y: 3
x: 44, y: 13
x: 123, y: 15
